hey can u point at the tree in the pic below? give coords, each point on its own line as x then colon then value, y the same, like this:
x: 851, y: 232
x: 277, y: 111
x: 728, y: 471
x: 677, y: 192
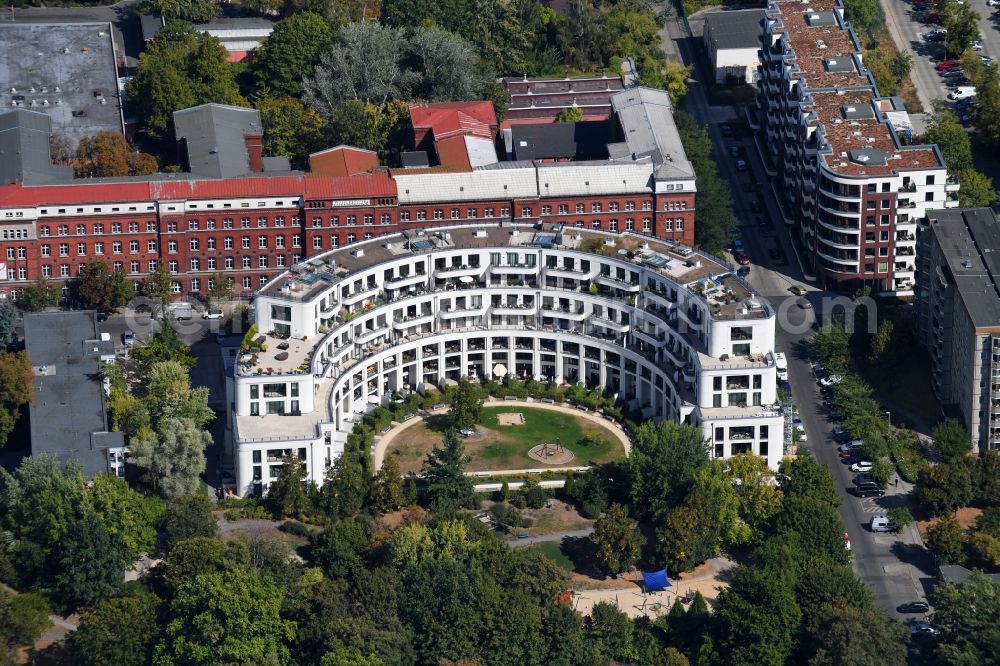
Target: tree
x: 943, y: 488
x: 452, y: 15
x: 831, y: 344
x: 91, y: 564
x: 163, y: 346
x: 664, y: 460
x: 802, y: 476
x: 466, y: 407
x: 497, y: 32
x: 387, y: 488
x: 23, y: 618
x: 96, y: 288
x: 197, y: 555
x: 690, y: 533
x: 17, y: 388
x: 817, y: 524
x: 290, y: 53
x: 185, y: 10
x: 187, y: 517
x: 757, y: 618
x: 444, y: 475
x: 178, y: 69
x: 8, y: 323
x: 38, y: 295
x: 382, y: 129
x: 881, y: 347
x: 757, y: 498
x: 889, y: 71
x: 126, y: 514
x: 946, y: 539
x: 287, y: 495
x: 952, y: 440
x: 158, y: 285
x: 962, y: 24
x: 231, y: 616
x: 617, y: 540
x: 173, y: 459
x: 674, y: 81
x: 865, y: 14
x: 118, y: 632
x: 844, y: 635
x: 290, y: 128
x: 364, y: 64
x: 671, y: 657
x: 343, y: 492
x: 573, y: 114
x: 610, y: 631
x: 168, y: 395
x: 987, y: 120
x: 339, y: 549
x: 951, y: 139
x: 107, y: 154
x: 443, y: 66
x: 966, y: 615
x: 977, y: 189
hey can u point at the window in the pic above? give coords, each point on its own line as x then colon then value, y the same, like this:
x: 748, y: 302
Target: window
x: 613, y: 225
x: 244, y: 222
x: 385, y: 218
x: 210, y: 243
x: 279, y: 221
x: 192, y: 225
x: 246, y: 262
x: 261, y: 221
x: 117, y: 266
x: 369, y: 220
x: 46, y: 270
x: 262, y: 242
x: 352, y: 220
x: 488, y: 212
x: 647, y: 224
x: 171, y: 227
x: 546, y: 210
x: 227, y: 223
x: 404, y: 216
x: 44, y: 231
x: 63, y: 270
x: 579, y: 208
x: 172, y: 247
x: 151, y: 265
x: 133, y: 227
x: 81, y: 249
x: 317, y: 221
x: 470, y: 213
x: 229, y: 262
x: 280, y: 261
x: 351, y: 238
x: 195, y: 284
x: 595, y: 208
x: 246, y: 282
x: 930, y: 180
x: 262, y: 261
x: 81, y: 229
x: 613, y: 207
x: 279, y: 241
x: 211, y: 263
x: 133, y: 246
x: 151, y: 246
x: 596, y: 224
x: 196, y: 264
x: 438, y: 214
x: 175, y: 287
x: 46, y: 250
x: 886, y: 203
x: 209, y: 224
x: 133, y: 267
x: 116, y: 247
x: 172, y: 266
x: 150, y: 227
x: 318, y: 242
x: 63, y: 230
x: 98, y: 248
x: 193, y: 243
x: 296, y: 240
x: 227, y: 243
x: 246, y: 242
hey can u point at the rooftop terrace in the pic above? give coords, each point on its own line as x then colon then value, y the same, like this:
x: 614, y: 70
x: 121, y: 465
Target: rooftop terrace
x: 711, y: 278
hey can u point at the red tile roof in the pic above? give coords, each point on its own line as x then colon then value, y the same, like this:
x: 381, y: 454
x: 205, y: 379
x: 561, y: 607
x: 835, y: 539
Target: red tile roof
x: 227, y: 187
x: 346, y: 187
x: 451, y: 118
x: 17, y: 194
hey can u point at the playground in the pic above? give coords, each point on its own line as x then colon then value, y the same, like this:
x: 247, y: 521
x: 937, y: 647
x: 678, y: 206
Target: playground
x: 517, y: 436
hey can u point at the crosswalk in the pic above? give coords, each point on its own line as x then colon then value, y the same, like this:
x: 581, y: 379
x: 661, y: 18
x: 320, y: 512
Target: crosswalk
x: 870, y: 505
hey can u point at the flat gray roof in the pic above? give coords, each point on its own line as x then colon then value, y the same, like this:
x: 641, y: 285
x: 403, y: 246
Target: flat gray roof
x: 68, y: 416
x: 734, y: 29
x: 24, y: 149
x: 969, y: 239
x: 58, y: 69
x: 647, y: 122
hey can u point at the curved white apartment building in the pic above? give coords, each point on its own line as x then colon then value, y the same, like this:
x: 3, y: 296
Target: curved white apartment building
x: 672, y: 331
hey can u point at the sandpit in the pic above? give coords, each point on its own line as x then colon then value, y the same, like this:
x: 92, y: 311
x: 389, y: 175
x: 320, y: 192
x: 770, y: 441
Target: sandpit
x: 510, y: 418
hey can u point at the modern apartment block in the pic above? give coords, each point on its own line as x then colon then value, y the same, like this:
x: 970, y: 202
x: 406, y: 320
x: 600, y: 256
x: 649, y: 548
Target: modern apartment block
x: 674, y: 332
x: 831, y: 143
x: 958, y: 315
x: 247, y: 217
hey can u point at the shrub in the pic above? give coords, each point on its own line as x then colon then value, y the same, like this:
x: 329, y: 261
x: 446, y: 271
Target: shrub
x: 232, y: 515
x: 296, y: 528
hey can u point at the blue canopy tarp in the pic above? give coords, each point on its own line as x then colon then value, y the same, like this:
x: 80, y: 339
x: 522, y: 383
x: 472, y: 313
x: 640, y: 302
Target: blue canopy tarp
x: 655, y: 580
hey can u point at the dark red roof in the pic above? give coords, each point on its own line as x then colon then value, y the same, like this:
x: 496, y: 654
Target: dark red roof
x: 346, y: 187
x: 228, y: 187
x: 450, y: 118
x: 17, y: 194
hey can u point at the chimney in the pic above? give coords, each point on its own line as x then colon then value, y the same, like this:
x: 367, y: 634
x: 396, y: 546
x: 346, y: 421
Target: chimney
x: 254, y: 152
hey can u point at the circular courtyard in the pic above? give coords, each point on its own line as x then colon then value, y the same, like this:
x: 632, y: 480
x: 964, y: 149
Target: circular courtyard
x: 512, y: 436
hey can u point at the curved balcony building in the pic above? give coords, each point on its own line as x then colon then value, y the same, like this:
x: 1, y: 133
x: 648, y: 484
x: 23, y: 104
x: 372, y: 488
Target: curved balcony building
x: 673, y: 332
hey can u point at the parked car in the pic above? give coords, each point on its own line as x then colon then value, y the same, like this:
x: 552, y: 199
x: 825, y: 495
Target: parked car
x: 102, y: 316
x: 923, y: 630
x: 962, y: 92
x: 852, y: 445
x: 853, y: 458
x: 862, y: 466
x: 931, y: 19
x: 804, y: 304
x: 881, y: 523
x: 760, y: 222
x: 798, y: 290
x: 977, y: 45
x: 953, y: 73
x: 866, y: 477
x: 832, y: 380
x: 734, y: 151
x: 738, y: 246
x: 935, y: 35
x: 741, y: 165
x: 916, y: 606
x: 128, y: 338
x: 869, y: 490
x: 742, y: 259
x: 840, y: 434
x: 212, y: 313
x: 947, y: 64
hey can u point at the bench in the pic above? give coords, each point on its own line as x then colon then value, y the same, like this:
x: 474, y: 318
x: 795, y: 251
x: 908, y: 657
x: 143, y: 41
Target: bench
x: 510, y: 398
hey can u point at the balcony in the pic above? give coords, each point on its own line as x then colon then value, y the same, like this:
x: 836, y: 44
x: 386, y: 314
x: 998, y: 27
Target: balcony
x: 514, y: 270
x: 459, y: 271
x: 369, y: 334
x: 406, y: 281
x: 358, y: 296
x: 456, y: 312
x: 558, y: 312
x: 411, y: 322
x: 515, y: 309
x: 907, y: 187
x: 572, y: 274
x: 951, y: 184
x: 658, y: 341
x: 610, y: 324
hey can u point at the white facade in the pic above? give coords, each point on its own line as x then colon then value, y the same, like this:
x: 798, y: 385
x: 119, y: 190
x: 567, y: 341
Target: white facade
x: 672, y: 332
x: 735, y: 63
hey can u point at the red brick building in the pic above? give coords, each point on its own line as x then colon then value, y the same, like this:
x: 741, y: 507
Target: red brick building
x: 252, y: 226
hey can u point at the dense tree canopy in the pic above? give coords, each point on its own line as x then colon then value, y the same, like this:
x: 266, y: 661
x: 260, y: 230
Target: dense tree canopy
x: 290, y: 53
x: 665, y: 458
x: 17, y: 388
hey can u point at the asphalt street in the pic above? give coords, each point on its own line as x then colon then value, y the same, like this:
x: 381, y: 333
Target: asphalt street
x: 896, y: 567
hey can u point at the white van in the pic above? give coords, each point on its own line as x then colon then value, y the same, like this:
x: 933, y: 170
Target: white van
x: 962, y: 92
x: 881, y: 524
x: 781, y: 363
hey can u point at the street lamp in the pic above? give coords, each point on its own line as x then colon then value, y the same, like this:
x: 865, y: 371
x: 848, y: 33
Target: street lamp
x: 888, y: 417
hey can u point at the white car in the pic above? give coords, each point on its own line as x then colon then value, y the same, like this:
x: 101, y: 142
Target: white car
x: 802, y: 433
x: 962, y: 92
x: 128, y: 338
x: 212, y: 313
x: 832, y: 380
x: 993, y: 3
x: 862, y: 466
x: 977, y: 45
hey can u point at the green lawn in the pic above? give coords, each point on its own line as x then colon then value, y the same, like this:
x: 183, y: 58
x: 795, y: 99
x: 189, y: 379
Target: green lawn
x: 590, y: 442
x: 552, y: 550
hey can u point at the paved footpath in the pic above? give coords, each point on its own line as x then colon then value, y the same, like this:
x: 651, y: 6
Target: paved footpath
x: 383, y: 440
